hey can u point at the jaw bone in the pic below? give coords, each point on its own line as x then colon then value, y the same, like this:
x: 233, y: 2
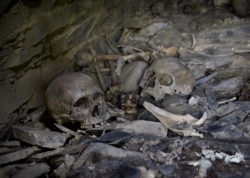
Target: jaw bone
x: 180, y: 124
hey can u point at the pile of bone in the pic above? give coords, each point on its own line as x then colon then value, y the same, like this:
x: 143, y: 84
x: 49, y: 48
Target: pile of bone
x: 150, y: 110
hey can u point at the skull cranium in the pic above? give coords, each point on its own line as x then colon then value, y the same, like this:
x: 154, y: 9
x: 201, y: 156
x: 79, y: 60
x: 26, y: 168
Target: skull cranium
x: 167, y: 76
x: 76, y: 97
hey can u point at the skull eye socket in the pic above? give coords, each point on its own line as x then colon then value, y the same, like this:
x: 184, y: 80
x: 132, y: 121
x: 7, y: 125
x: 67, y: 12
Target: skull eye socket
x: 82, y: 102
x: 165, y: 79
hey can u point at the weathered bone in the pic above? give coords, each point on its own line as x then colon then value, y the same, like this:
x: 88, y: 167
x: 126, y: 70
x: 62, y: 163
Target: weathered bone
x: 76, y: 97
x: 167, y: 76
x: 173, y: 121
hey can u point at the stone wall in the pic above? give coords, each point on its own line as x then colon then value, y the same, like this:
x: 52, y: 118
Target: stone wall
x: 39, y: 40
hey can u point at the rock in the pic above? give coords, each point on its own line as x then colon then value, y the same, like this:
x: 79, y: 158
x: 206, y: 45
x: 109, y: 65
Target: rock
x: 42, y: 138
x: 115, y: 137
x: 167, y: 170
x: 224, y: 130
x: 62, y: 170
x: 227, y: 88
x: 33, y: 171
x: 10, y: 144
x: 231, y: 106
x: 145, y: 127
x: 235, y: 117
x: 174, y: 100
x: 108, y: 151
x: 47, y: 154
x: 245, y: 127
x: 4, y: 5
x: 18, y: 155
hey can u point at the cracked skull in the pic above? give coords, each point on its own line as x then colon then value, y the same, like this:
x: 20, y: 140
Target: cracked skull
x: 76, y: 97
x: 167, y: 76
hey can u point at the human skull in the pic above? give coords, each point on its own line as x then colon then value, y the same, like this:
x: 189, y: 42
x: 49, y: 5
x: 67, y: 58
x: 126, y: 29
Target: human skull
x: 167, y: 76
x: 76, y: 97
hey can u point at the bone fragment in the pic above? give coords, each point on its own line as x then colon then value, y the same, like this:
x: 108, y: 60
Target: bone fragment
x: 227, y: 100
x: 97, y: 69
x: 180, y: 124
x: 194, y: 41
x: 130, y: 57
x: 105, y: 151
x: 112, y: 72
x: 119, y: 66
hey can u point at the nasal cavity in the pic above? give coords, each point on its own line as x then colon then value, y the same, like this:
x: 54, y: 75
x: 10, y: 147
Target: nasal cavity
x: 95, y: 111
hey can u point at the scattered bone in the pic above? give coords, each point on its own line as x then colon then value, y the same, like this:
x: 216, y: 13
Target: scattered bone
x: 170, y: 52
x: 18, y: 155
x: 221, y: 102
x: 42, y: 138
x: 33, y: 171
x: 213, y: 155
x: 97, y: 69
x: 177, y: 123
x: 83, y: 59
